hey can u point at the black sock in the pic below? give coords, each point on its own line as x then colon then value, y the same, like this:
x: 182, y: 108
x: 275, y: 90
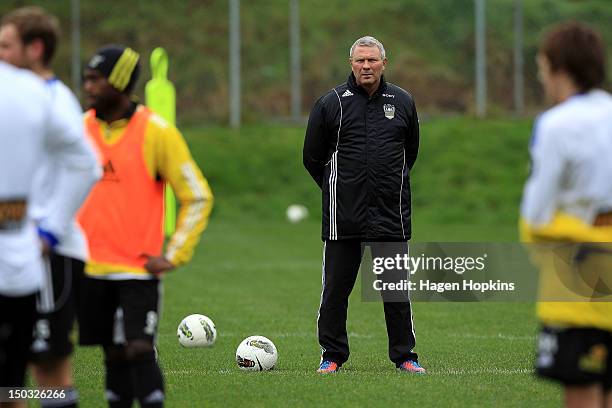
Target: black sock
x: 119, y: 384
x: 148, y: 381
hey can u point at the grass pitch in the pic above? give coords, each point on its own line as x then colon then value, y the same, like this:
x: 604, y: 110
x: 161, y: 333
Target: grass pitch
x: 268, y: 283
x: 253, y: 273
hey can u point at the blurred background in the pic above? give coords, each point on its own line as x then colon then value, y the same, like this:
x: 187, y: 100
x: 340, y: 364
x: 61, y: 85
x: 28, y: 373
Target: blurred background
x: 243, y: 113
x: 247, y: 73
x: 430, y: 46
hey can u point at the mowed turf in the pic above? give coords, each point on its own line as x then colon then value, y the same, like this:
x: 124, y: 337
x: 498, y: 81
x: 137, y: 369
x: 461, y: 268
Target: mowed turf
x: 254, y: 273
x: 264, y: 278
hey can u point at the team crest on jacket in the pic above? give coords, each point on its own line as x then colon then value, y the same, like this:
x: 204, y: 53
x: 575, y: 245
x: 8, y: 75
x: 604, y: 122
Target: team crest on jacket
x: 389, y: 110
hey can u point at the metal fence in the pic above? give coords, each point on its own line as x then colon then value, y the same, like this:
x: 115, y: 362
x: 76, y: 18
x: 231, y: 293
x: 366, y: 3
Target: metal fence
x: 234, y: 61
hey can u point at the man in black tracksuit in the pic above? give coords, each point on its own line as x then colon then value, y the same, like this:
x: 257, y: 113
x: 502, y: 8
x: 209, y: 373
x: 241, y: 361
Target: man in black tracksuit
x: 361, y: 142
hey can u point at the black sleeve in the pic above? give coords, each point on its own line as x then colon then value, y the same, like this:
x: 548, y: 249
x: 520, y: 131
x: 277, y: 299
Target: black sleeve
x: 314, y: 143
x: 412, y: 137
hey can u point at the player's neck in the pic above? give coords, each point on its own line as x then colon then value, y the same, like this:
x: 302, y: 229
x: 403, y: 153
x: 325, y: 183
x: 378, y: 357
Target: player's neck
x: 43, y: 72
x: 117, y: 112
x: 566, y: 88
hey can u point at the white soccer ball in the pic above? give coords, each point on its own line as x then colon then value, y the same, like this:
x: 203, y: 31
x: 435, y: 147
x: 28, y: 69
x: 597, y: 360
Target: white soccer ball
x: 196, y: 330
x: 296, y: 213
x: 256, y: 353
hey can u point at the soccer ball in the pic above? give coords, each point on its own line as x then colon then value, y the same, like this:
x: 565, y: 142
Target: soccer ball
x: 256, y: 353
x: 196, y: 330
x: 296, y: 213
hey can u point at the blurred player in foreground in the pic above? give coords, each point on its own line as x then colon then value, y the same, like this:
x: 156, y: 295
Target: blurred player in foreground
x: 28, y: 39
x: 32, y: 128
x: 122, y: 220
x: 568, y: 198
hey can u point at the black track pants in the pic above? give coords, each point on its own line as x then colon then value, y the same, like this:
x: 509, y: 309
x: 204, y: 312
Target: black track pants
x: 341, y: 261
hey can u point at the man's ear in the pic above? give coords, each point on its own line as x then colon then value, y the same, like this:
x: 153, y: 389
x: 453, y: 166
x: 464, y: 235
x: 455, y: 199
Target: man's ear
x: 35, y: 50
x: 384, y: 63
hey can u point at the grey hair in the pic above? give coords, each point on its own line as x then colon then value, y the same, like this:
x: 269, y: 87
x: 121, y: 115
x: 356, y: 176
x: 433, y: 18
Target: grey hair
x: 368, y: 41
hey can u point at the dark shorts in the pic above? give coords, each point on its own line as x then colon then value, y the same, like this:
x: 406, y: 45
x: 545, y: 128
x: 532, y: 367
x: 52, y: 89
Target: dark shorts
x: 56, y: 307
x: 16, y: 321
x: 575, y: 356
x: 116, y: 311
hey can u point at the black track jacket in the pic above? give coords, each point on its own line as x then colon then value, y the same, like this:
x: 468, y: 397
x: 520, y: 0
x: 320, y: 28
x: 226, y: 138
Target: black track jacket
x: 360, y: 150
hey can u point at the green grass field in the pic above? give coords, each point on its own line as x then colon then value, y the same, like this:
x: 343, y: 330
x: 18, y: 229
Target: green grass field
x: 254, y: 273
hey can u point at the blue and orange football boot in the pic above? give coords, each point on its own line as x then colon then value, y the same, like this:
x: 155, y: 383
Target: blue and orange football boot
x: 410, y: 366
x: 328, y: 367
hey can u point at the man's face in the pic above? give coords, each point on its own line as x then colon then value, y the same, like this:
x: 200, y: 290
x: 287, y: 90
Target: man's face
x: 99, y: 94
x: 367, y: 65
x: 12, y: 50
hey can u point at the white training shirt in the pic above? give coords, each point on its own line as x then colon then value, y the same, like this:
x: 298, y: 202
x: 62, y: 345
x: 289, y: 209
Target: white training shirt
x: 73, y: 245
x: 571, y: 152
x: 32, y: 127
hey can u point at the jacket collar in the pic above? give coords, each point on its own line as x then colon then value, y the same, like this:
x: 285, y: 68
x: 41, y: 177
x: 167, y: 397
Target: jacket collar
x: 352, y: 84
